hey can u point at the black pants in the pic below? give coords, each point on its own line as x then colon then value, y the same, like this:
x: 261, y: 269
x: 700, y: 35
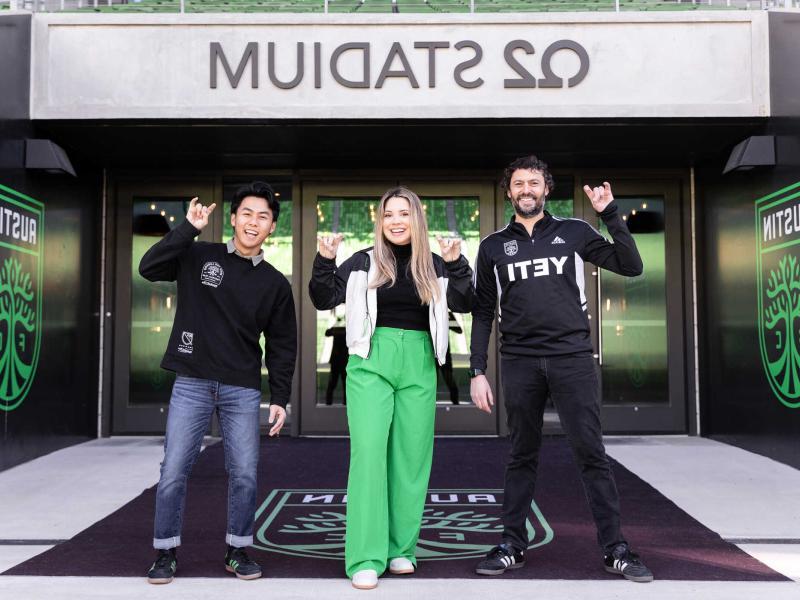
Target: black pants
x: 571, y: 381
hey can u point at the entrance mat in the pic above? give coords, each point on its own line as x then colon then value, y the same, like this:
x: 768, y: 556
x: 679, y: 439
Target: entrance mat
x: 300, y: 521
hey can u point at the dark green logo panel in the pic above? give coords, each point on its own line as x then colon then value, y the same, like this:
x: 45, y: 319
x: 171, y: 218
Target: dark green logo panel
x: 21, y: 243
x: 455, y: 524
x: 778, y: 263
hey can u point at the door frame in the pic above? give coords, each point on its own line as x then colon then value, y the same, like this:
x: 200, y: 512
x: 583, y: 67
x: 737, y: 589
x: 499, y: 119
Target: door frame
x: 126, y: 419
x: 332, y: 420
x: 671, y: 418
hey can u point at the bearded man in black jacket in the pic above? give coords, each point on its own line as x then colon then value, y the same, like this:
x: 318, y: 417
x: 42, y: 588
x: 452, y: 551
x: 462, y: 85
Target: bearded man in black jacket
x: 536, y: 266
x: 228, y: 295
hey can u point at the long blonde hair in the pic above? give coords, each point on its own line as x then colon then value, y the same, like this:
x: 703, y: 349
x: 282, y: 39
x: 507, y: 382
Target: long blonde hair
x: 422, y: 273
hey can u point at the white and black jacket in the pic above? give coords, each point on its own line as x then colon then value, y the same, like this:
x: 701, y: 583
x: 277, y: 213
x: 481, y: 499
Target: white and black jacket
x: 349, y: 283
x: 539, y: 282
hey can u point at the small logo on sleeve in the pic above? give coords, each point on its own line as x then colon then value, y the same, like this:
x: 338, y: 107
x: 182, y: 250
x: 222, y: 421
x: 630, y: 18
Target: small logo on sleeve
x: 511, y: 247
x: 187, y: 340
x: 212, y: 274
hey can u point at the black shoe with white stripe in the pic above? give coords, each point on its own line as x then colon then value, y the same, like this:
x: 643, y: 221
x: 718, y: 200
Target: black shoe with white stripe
x: 622, y: 561
x: 164, y: 567
x: 500, y: 559
x: 241, y: 565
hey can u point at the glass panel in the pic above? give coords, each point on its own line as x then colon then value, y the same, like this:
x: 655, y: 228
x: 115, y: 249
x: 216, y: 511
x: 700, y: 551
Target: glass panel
x: 447, y: 216
x: 354, y: 217
x: 277, y: 247
x: 634, y: 313
x: 152, y: 304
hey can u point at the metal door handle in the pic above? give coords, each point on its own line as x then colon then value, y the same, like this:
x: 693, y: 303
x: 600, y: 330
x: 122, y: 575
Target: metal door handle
x: 599, y: 355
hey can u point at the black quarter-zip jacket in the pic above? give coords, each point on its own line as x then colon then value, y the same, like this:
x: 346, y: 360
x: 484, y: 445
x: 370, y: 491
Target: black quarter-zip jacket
x: 539, y: 282
x: 225, y: 302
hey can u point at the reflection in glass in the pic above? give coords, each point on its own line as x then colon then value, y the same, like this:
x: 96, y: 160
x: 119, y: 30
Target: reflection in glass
x: 634, y: 313
x: 355, y: 218
x: 152, y: 304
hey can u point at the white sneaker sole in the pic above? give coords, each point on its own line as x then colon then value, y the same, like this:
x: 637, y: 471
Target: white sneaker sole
x: 644, y: 579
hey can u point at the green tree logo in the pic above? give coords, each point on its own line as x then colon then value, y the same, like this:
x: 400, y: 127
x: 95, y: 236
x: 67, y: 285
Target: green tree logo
x: 780, y: 315
x: 17, y: 322
x: 456, y: 523
x: 325, y: 522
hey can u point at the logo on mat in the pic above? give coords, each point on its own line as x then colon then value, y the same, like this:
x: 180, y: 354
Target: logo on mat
x: 21, y: 248
x: 187, y: 339
x: 212, y: 274
x: 511, y: 247
x: 456, y: 524
x: 778, y: 276
x: 558, y: 240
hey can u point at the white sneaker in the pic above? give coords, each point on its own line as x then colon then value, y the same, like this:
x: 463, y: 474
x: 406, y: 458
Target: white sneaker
x: 365, y: 580
x: 401, y: 566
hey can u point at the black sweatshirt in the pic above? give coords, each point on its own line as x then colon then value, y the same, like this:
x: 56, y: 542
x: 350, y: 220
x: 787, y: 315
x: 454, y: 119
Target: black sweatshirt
x: 400, y: 305
x: 224, y: 304
x: 540, y: 281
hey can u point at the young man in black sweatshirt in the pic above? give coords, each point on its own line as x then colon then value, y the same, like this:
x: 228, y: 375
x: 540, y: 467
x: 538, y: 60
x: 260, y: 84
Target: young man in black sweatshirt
x: 535, y: 266
x: 228, y: 295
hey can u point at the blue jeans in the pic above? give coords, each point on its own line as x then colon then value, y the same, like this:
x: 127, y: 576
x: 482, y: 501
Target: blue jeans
x: 190, y: 407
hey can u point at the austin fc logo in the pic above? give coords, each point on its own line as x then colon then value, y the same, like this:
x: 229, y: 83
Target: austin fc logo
x: 456, y: 523
x: 511, y: 247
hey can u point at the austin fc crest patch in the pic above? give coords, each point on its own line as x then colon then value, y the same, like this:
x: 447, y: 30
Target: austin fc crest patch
x: 511, y: 247
x: 212, y: 274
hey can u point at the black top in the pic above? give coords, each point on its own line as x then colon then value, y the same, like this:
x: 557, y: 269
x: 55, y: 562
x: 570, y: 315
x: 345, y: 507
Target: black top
x: 400, y: 306
x: 225, y: 302
x: 538, y: 281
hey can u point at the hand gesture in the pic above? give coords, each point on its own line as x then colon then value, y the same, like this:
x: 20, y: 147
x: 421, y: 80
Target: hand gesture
x: 198, y: 214
x: 481, y: 393
x: 451, y: 248
x: 277, y: 417
x: 600, y: 197
x: 329, y: 244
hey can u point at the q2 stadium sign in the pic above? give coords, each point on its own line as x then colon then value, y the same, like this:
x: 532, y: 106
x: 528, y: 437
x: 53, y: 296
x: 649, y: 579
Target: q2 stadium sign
x: 249, y: 66
x: 395, y: 64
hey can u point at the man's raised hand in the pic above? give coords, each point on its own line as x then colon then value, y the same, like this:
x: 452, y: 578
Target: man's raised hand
x: 600, y: 197
x: 198, y: 214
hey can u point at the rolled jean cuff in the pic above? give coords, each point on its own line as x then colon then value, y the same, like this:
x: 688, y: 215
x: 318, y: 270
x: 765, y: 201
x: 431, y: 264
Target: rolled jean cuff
x: 166, y: 543
x: 239, y: 541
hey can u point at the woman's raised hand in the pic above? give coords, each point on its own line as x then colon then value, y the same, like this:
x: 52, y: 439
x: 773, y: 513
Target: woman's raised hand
x: 451, y: 248
x: 329, y: 244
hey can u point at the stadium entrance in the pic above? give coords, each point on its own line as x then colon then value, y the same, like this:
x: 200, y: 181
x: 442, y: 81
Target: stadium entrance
x: 641, y: 364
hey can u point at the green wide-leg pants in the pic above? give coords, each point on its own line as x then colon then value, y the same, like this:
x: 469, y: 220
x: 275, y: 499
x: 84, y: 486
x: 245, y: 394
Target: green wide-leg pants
x: 391, y: 406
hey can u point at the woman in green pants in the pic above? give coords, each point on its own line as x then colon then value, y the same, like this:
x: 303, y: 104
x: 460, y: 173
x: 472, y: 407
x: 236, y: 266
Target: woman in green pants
x: 396, y: 297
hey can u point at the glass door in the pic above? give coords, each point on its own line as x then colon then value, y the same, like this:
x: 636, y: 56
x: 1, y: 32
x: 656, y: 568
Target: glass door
x: 145, y: 212
x: 451, y: 209
x: 637, y: 323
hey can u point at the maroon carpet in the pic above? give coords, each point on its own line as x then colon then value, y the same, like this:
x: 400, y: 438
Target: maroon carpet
x: 299, y: 527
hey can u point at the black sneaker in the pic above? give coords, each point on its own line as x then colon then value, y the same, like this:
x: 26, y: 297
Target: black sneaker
x: 622, y: 561
x: 163, y: 570
x: 499, y: 559
x: 237, y: 562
